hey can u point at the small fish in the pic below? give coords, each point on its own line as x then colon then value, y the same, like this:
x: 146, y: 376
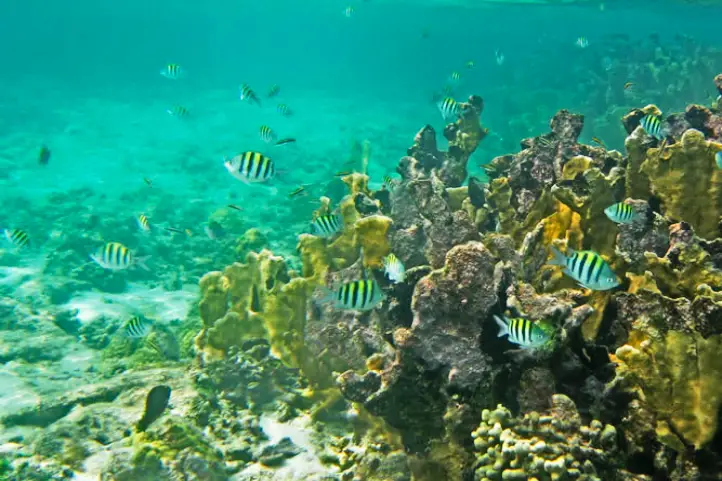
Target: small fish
x: 174, y: 230
x: 718, y: 159
x: 629, y: 86
x: 249, y: 95
x: 448, y: 108
x: 251, y: 167
x: 582, y: 42
x: 343, y: 173
x: 115, y: 256
x: 599, y: 142
x: 148, y: 182
x: 297, y: 191
x: 499, y: 56
x: 544, y: 141
x: 137, y: 327
x: 143, y: 222
x: 289, y: 140
x: 214, y: 230
x: 394, y: 269
x: 326, y: 225
x: 155, y: 404
x: 587, y: 268
x: 178, y: 111
x: 652, y: 126
x: 470, y: 64
x: 621, y: 213
x: 267, y: 135
x: 172, y: 71
x: 455, y: 77
x: 359, y: 295
x: 284, y: 110
x: 235, y: 207
x: 390, y: 181
x: 44, y: 155
x: 273, y: 91
x: 348, y: 11
x: 523, y: 332
x: 18, y: 238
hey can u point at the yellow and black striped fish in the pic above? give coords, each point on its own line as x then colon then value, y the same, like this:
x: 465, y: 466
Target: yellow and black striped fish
x: 326, y: 225
x: 251, y: 167
x: 359, y: 295
x: 284, y: 110
x: 599, y: 142
x: 137, y: 327
x: 172, y: 71
x: 390, y: 181
x: 588, y: 268
x: 143, y: 222
x: 267, y: 134
x: 178, y: 111
x: 621, y: 213
x: 521, y: 331
x: 114, y: 256
x: 448, y: 107
x: 652, y: 126
x: 248, y: 94
x: 273, y: 91
x: 455, y: 77
x: 18, y: 238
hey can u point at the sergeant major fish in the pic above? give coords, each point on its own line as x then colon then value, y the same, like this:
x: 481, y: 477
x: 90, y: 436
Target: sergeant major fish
x: 251, y: 167
x: 652, y: 126
x: 358, y: 295
x: 521, y: 331
x: 621, y: 213
x: 326, y: 225
x: 448, y: 107
x: 17, y: 237
x: 172, y: 71
x: 587, y: 268
x: 137, y: 327
x: 115, y: 256
x: 247, y: 94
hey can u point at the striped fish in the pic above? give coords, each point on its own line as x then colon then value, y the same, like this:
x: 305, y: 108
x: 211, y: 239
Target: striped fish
x: 137, y: 327
x: 18, y: 238
x: 523, y: 332
x: 448, y: 108
x: 273, y: 91
x: 359, y: 295
x: 267, y: 134
x: 587, y: 268
x: 178, y: 111
x: 284, y: 110
x: 455, y: 77
x: 172, y: 71
x: 249, y: 95
x: 155, y: 346
x: 652, y: 126
x: 143, y: 222
x: 544, y: 141
x: 621, y: 213
x: 394, y: 269
x: 390, y: 181
x: 251, y: 167
x: 326, y: 225
x: 115, y: 256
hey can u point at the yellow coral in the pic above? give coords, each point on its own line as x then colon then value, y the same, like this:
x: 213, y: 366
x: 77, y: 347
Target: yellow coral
x: 372, y: 238
x: 692, y: 269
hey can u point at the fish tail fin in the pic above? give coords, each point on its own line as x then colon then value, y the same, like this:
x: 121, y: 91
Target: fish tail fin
x: 559, y: 258
x: 325, y: 295
x: 503, y: 326
x: 140, y: 262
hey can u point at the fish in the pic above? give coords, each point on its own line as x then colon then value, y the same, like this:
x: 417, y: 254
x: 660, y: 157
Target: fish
x: 348, y: 11
x: 544, y: 141
x: 629, y: 86
x: 499, y: 56
x: 394, y: 268
x: 582, y: 42
x: 249, y: 95
x: 599, y: 142
x: 273, y: 91
x: 154, y: 345
x: 298, y: 191
x: 44, y: 155
x: 289, y: 140
x: 448, y: 108
x: 143, y: 222
x: 652, y: 126
x: 137, y: 327
x: 358, y: 295
x: 178, y: 111
x: 174, y: 230
x: 390, y: 181
x: 267, y: 134
x: 115, y: 256
x: 343, y: 173
x: 470, y: 64
x: 155, y: 404
x: 718, y: 159
x: 521, y: 331
x: 235, y: 207
x: 172, y: 71
x: 621, y: 213
x: 213, y: 230
x: 148, y: 182
x: 284, y: 110
x: 588, y: 268
x: 251, y: 167
x: 455, y: 77
x: 326, y: 225
x: 17, y: 237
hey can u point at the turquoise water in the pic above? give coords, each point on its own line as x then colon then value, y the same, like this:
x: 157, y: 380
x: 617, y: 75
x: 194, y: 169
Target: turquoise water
x: 83, y: 78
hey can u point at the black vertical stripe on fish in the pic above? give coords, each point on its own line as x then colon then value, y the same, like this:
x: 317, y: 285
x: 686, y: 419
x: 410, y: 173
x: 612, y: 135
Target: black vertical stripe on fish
x: 155, y: 404
x: 267, y: 168
x: 372, y: 291
x: 346, y: 292
x: 354, y: 294
x: 580, y: 266
x: 364, y: 293
x: 339, y: 295
x: 573, y: 263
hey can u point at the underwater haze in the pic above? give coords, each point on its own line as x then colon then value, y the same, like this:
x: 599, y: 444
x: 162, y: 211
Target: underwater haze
x: 360, y: 240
